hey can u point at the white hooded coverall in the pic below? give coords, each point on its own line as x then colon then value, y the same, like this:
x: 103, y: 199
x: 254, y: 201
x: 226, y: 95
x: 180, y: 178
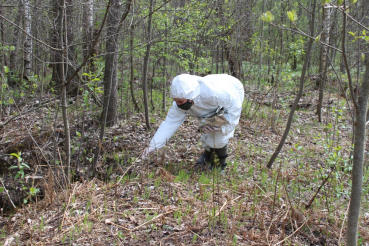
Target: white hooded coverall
x: 207, y: 93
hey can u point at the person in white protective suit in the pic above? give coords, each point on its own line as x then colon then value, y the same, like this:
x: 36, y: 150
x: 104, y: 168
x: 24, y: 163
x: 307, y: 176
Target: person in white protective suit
x: 204, y: 98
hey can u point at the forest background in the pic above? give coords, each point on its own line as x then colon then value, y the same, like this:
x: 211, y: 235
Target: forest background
x: 84, y: 84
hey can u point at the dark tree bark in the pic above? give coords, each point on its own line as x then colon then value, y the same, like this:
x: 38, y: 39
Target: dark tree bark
x: 146, y: 67
x: 111, y: 62
x: 359, y: 143
x: 13, y: 58
x: 70, y: 63
x: 132, y: 71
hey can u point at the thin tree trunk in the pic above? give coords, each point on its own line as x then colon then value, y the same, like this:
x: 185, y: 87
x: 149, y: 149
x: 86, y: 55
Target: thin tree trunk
x: 28, y: 42
x: 14, y: 53
x: 111, y: 62
x: 132, y: 71
x: 297, y: 99
x: 359, y: 145
x: 110, y: 74
x: 320, y: 82
x: 165, y: 64
x: 88, y: 23
x: 63, y: 90
x: 146, y: 66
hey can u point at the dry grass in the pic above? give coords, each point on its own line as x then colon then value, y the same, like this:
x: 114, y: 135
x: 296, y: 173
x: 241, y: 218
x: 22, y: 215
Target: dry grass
x: 168, y: 200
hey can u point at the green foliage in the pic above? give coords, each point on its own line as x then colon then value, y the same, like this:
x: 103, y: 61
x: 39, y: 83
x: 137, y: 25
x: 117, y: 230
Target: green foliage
x: 267, y: 17
x: 20, y: 174
x: 21, y: 165
x: 339, y: 2
x: 292, y: 15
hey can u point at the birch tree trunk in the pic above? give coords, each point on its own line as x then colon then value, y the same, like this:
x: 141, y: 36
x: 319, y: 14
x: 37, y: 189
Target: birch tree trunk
x: 28, y: 41
x: 88, y: 25
x: 320, y: 82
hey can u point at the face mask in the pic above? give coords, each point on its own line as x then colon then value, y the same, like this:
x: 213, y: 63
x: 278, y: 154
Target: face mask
x: 186, y: 106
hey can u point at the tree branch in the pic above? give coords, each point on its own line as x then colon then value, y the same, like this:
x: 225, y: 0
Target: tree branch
x: 92, y: 47
x: 29, y: 35
x: 353, y: 96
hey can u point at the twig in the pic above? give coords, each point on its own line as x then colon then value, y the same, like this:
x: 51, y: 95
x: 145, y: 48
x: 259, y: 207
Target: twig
x: 111, y: 223
x: 6, y: 191
x: 29, y: 35
x: 42, y: 104
x: 343, y: 224
x: 92, y: 47
x: 83, y: 217
x: 66, y: 208
x: 291, y: 234
x: 225, y: 203
x: 147, y: 222
x: 316, y: 193
x: 275, y: 195
x: 344, y: 56
x: 298, y: 31
x: 121, y: 177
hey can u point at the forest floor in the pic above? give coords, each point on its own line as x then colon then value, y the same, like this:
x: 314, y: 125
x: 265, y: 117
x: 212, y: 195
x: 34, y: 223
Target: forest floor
x: 168, y: 199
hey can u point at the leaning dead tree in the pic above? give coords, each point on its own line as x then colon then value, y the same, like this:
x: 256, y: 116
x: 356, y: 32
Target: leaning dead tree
x: 301, y: 89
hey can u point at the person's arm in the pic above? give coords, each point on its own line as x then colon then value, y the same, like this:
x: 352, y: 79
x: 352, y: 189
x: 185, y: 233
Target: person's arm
x: 233, y: 116
x: 172, y: 122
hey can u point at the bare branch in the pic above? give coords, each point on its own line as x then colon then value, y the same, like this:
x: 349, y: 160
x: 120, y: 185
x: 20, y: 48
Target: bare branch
x: 29, y: 35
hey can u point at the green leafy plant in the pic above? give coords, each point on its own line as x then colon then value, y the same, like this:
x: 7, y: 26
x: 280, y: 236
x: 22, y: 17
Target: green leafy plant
x: 21, y: 165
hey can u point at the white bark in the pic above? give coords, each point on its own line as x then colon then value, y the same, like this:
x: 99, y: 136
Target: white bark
x: 28, y: 42
x: 87, y: 26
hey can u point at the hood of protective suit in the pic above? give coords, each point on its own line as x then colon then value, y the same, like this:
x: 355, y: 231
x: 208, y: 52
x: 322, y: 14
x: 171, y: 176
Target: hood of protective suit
x: 185, y: 86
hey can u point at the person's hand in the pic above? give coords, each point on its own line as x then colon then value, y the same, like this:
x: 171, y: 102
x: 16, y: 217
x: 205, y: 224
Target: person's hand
x: 209, y: 129
x: 147, y: 152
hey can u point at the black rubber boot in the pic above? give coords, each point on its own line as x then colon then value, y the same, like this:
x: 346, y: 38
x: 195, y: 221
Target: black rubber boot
x: 222, y: 155
x: 205, y: 158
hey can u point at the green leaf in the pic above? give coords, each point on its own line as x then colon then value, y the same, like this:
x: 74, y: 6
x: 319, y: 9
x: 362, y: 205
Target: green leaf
x: 267, y: 17
x: 325, y: 1
x: 33, y: 190
x: 352, y: 33
x: 300, y: 147
x: 78, y: 133
x: 292, y: 15
x: 2, y: 189
x: 25, y: 165
x: 6, y: 69
x: 12, y: 48
x: 15, y: 154
x: 13, y: 167
x: 317, y: 39
x: 353, y: 1
x: 85, y: 74
x: 96, y: 79
x: 339, y: 2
